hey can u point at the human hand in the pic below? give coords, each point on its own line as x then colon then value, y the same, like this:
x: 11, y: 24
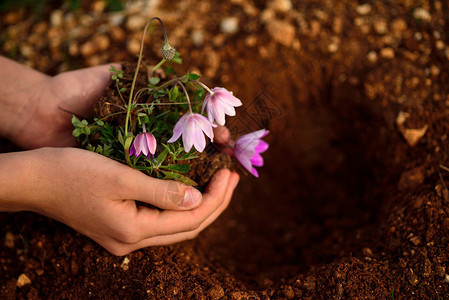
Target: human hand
x: 222, y: 137
x: 96, y: 196
x: 46, y: 118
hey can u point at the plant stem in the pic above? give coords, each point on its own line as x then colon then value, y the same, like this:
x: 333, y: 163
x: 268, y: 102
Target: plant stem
x: 171, y: 81
x: 204, y: 86
x: 187, y: 95
x: 120, y: 93
x: 137, y: 72
x: 158, y: 66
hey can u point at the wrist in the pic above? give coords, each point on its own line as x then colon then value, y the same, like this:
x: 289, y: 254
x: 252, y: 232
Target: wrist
x: 20, y: 87
x: 18, y: 178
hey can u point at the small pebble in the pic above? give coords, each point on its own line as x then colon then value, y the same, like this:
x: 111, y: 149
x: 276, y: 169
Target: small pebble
x: 398, y: 25
x: 117, y: 33
x: 387, y: 53
x: 412, y: 277
x: 197, y: 37
x: 434, y: 70
x: 133, y: 46
x: 364, y: 9
x: 422, y: 14
x: 125, y: 264
x: 282, y: 6
x: 415, y: 240
x: 216, y: 292
x: 23, y: 280
x: 9, y: 240
x: 101, y: 42
x: 282, y: 32
x: 380, y: 26
x: 136, y: 22
x: 87, y: 49
x: 372, y: 56
x: 229, y: 25
x: 440, y: 45
x: 57, y: 18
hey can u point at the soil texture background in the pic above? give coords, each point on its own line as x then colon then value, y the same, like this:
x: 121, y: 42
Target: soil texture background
x: 352, y: 201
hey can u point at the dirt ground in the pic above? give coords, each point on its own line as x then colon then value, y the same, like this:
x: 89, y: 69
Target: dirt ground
x: 352, y: 201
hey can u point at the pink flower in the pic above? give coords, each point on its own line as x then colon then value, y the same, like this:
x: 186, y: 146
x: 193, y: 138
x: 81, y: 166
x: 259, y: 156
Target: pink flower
x: 247, y: 150
x: 143, y: 143
x: 192, y: 126
x: 219, y: 103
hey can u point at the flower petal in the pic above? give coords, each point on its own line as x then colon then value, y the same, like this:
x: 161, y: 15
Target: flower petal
x: 179, y: 128
x: 215, y: 111
x: 199, y: 141
x: 229, y: 110
x: 139, y: 144
x: 226, y: 96
x: 261, y: 147
x: 205, y: 125
x: 132, y: 150
x: 244, y: 161
x: 206, y: 100
x: 254, y: 172
x: 257, y: 160
x: 188, y: 135
x: 151, y: 142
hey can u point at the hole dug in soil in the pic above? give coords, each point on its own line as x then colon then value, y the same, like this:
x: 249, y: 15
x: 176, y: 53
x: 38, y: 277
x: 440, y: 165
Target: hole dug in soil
x: 320, y: 195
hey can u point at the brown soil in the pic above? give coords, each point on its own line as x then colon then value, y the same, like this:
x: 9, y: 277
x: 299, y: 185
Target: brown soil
x: 344, y: 207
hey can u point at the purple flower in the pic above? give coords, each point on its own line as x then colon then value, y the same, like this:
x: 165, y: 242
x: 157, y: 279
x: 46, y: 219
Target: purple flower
x: 192, y: 126
x: 143, y: 143
x: 247, y: 150
x: 219, y: 103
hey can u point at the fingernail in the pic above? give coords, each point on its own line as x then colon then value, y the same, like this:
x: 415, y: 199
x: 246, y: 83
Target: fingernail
x: 191, y: 197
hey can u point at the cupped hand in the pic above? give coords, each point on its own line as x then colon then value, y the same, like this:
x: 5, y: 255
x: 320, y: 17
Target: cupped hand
x: 97, y: 197
x: 50, y: 102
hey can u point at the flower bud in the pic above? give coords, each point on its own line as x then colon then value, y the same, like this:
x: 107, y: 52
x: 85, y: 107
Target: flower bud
x: 168, y: 52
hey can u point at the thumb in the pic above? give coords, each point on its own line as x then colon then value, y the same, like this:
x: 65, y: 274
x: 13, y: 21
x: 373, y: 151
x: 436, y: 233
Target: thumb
x: 165, y: 194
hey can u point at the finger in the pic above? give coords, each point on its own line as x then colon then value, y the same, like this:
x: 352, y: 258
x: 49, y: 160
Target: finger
x: 178, y: 237
x: 165, y: 194
x: 222, y: 135
x: 151, y: 222
x: 82, y: 88
x: 94, y: 81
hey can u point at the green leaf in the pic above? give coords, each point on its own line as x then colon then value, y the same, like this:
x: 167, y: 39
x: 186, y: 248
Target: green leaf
x: 178, y: 168
x: 154, y: 80
x: 128, y: 142
x: 114, y: 77
x: 174, y: 93
x: 170, y: 70
x: 75, y: 121
x: 76, y: 132
x: 188, y: 157
x: 99, y: 122
x: 177, y: 59
x: 84, y: 122
x: 161, y: 157
x: 185, y: 78
x: 193, y: 76
x: 179, y: 177
x: 120, y: 138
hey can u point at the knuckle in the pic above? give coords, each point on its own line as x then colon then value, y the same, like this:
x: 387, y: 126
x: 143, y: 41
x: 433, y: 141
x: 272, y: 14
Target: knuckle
x: 117, y: 249
x: 126, y: 235
x: 173, y: 193
x: 192, y: 235
x: 195, y: 225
